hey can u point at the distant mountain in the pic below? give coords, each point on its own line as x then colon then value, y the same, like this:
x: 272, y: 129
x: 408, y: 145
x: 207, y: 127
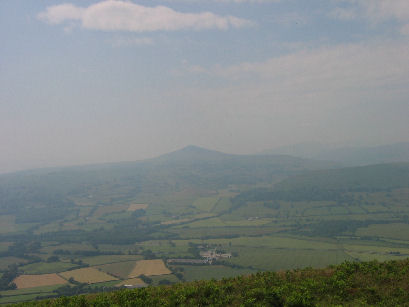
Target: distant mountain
x: 191, y: 152
x: 191, y: 168
x: 306, y: 150
x: 349, y: 156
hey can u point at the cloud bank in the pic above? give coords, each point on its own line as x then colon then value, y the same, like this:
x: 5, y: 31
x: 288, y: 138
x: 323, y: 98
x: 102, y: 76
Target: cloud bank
x: 112, y: 15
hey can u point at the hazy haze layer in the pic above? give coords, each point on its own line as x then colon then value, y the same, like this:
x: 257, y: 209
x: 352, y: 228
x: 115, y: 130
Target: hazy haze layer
x: 103, y: 81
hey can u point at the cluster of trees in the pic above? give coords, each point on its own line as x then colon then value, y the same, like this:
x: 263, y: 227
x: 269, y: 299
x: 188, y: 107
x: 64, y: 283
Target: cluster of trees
x: 7, y: 278
x: 78, y: 288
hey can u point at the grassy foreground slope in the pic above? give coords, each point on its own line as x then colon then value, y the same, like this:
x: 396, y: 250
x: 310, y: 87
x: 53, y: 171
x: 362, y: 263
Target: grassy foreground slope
x: 348, y: 284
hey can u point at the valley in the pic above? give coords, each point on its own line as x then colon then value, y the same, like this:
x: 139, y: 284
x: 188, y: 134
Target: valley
x: 96, y: 228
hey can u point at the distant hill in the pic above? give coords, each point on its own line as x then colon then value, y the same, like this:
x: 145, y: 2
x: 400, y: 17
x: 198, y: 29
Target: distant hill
x: 371, y: 177
x: 189, y: 168
x: 349, y: 156
x: 190, y: 153
x: 332, y: 184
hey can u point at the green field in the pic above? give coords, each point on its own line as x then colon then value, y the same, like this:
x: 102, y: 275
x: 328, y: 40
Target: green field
x: 6, y: 261
x: 119, y: 269
x: 156, y: 280
x: 283, y: 259
x: 205, y: 204
x: 45, y: 267
x: 13, y: 296
x: 397, y: 231
x: 107, y: 259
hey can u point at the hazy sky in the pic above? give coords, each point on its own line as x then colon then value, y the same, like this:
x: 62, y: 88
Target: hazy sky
x: 98, y: 81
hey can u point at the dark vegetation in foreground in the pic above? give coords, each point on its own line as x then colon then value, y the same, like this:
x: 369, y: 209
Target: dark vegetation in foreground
x: 350, y: 283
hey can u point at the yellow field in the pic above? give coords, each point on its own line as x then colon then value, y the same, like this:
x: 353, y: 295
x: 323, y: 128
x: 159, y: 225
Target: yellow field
x: 131, y: 281
x: 31, y: 281
x: 87, y: 275
x: 134, y: 207
x: 149, y: 268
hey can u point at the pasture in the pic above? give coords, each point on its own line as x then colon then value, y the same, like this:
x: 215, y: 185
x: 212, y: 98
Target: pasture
x: 87, y: 275
x: 26, y: 294
x: 6, y: 261
x: 43, y: 289
x: 72, y: 247
x: 31, y: 281
x: 46, y: 267
x: 282, y: 259
x: 205, y: 203
x: 282, y: 242
x: 119, y: 269
x: 149, y: 268
x: 159, y: 279
x: 398, y: 231
x: 107, y: 259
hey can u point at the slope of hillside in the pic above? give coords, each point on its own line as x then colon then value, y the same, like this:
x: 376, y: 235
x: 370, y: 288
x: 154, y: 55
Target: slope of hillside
x: 329, y: 184
x: 371, y: 177
x: 349, y: 156
x: 350, y: 284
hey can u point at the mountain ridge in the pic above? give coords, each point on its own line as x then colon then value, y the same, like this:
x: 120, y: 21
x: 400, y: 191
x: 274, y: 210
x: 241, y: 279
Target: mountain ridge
x: 349, y: 156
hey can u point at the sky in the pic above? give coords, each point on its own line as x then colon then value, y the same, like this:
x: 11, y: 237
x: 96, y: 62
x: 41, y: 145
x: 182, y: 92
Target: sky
x: 108, y: 80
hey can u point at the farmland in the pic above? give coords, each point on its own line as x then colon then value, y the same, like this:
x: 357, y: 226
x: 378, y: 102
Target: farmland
x: 87, y: 275
x: 31, y: 281
x: 109, y: 227
x: 119, y: 269
x: 46, y: 267
x: 149, y: 268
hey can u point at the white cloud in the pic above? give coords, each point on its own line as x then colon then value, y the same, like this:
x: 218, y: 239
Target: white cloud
x: 113, y: 15
x: 348, y: 68
x: 60, y: 13
x: 345, y: 92
x: 373, y: 10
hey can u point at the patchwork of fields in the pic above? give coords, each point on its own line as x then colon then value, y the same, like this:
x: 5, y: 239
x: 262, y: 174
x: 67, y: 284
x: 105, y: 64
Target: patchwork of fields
x: 105, y: 240
x: 117, y: 273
